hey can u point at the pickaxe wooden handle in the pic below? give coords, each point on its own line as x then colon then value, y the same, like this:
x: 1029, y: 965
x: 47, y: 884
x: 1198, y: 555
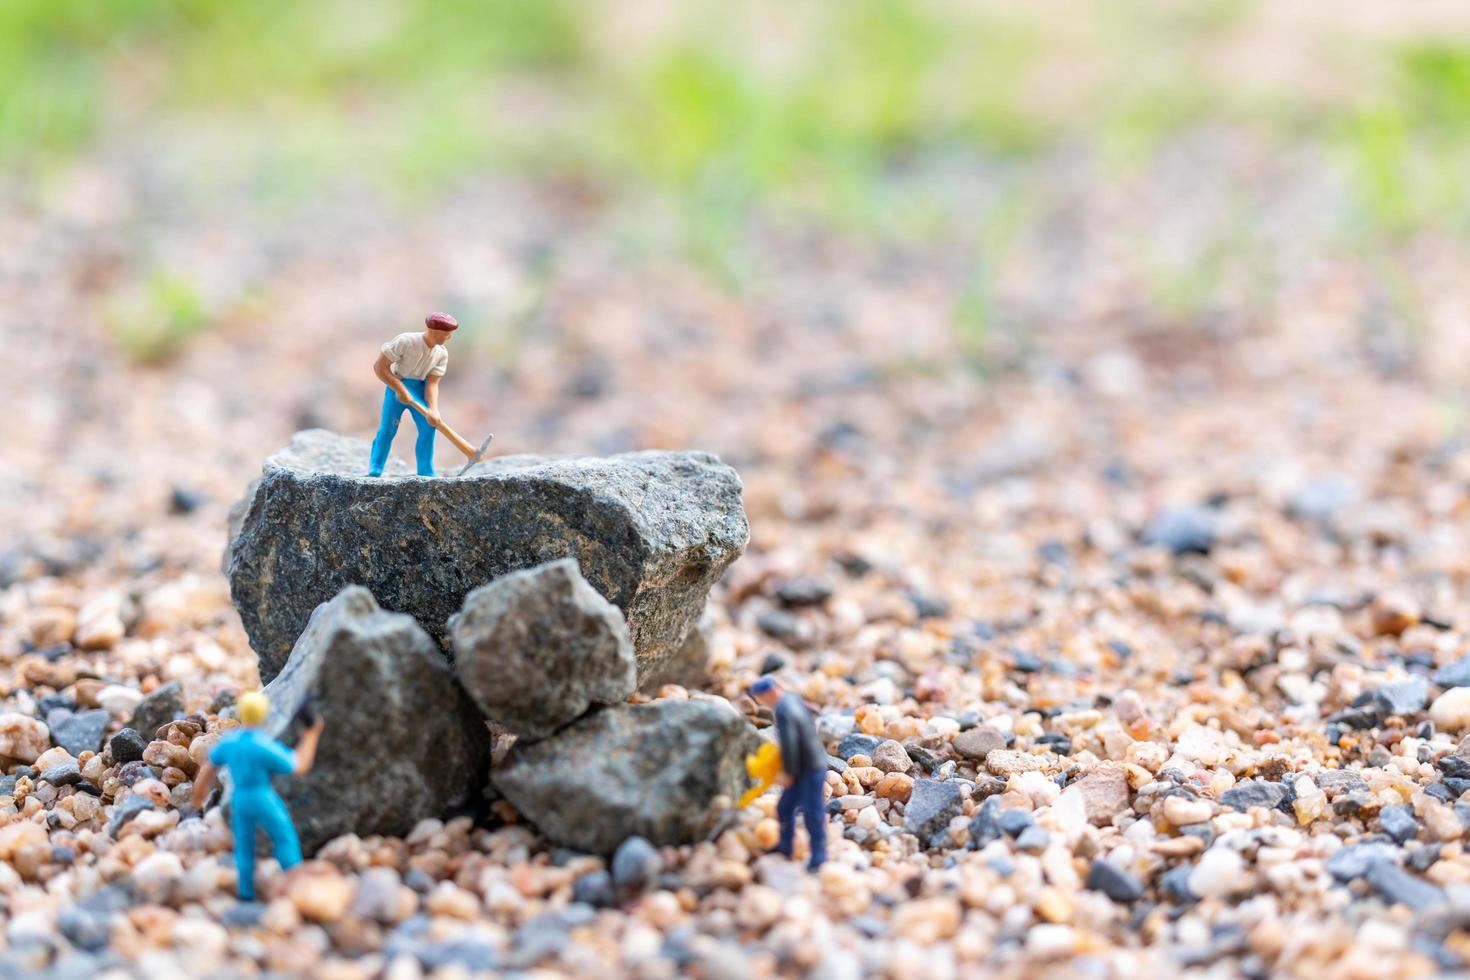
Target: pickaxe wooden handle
x: 460, y: 442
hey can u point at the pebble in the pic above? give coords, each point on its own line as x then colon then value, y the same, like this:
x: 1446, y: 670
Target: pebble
x: 890, y: 756
x: 1180, y: 811
x: 797, y: 593
x: 1456, y: 674
x: 895, y: 786
x: 100, y: 623
x: 1398, y: 822
x: 1104, y: 792
x: 127, y: 746
x: 1012, y: 762
x: 635, y: 866
x: 1034, y: 839
x: 118, y: 700
x: 1220, y: 872
x: 1255, y: 792
x: 978, y: 742
x: 1393, y: 613
x: 1398, y: 886
x: 158, y: 709
x: 1114, y: 882
x: 65, y: 774
x: 1352, y: 861
x: 1182, y: 530
x: 126, y: 811
x: 1451, y: 710
x: 22, y: 738
x: 81, y: 731
x: 858, y: 743
x: 932, y: 804
x: 1404, y: 697
x: 321, y: 895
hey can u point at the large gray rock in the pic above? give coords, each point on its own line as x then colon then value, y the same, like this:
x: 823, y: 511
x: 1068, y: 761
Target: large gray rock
x: 651, y: 531
x: 401, y: 741
x: 536, y: 648
x: 665, y: 771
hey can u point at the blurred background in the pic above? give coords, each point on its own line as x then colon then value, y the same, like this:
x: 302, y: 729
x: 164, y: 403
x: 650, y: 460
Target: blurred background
x: 906, y: 244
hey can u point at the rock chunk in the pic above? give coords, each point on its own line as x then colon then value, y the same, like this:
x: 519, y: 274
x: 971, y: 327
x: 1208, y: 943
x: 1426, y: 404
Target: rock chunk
x: 536, y: 648
x: 931, y: 806
x: 1104, y: 793
x: 401, y: 742
x: 79, y: 731
x: 664, y: 771
x: 652, y: 531
x: 158, y: 709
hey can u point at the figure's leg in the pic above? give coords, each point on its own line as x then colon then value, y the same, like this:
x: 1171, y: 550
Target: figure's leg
x: 388, y: 421
x: 423, y: 446
x: 786, y: 813
x: 276, y: 820
x: 814, y: 815
x: 243, y: 822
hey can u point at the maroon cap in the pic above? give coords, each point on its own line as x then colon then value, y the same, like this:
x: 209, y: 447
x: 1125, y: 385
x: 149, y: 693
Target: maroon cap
x: 441, y: 321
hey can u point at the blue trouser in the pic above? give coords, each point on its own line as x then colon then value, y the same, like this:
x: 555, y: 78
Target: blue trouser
x: 261, y: 808
x: 423, y: 446
x: 804, y: 794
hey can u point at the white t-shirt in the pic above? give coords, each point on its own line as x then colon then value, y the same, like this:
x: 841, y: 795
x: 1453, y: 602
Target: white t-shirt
x: 412, y: 358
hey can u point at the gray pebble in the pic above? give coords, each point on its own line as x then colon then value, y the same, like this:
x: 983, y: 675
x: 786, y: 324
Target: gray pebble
x: 1399, y: 823
x: 65, y: 774
x: 1114, y: 882
x: 81, y: 732
x: 125, y: 811
x: 127, y: 746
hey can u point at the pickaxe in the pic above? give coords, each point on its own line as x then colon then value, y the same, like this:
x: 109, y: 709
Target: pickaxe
x: 475, y: 456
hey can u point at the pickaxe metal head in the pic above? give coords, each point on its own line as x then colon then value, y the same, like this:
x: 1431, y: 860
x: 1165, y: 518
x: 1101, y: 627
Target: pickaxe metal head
x: 479, y: 456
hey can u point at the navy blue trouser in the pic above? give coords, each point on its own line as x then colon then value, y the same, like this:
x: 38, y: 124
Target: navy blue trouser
x: 805, y: 794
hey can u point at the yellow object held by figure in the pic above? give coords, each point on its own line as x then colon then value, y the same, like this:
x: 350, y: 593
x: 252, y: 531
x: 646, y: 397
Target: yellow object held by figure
x: 763, y: 767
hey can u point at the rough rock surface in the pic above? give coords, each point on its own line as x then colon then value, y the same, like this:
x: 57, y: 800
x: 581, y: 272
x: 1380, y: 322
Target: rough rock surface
x: 401, y: 742
x: 653, y: 770
x: 536, y: 648
x: 689, y: 666
x: 652, y: 531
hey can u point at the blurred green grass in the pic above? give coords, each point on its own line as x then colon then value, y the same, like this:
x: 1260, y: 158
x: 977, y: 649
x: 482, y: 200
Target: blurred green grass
x: 700, y: 108
x: 736, y: 112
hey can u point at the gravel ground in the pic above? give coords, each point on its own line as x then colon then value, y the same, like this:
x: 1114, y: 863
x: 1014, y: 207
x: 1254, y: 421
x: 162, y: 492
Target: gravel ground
x: 1152, y: 621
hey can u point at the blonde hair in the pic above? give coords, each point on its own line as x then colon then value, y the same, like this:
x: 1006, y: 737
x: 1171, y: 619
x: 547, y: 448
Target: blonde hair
x: 253, y: 707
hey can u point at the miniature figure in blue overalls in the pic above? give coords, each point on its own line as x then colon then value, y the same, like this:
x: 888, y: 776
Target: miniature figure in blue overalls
x: 410, y: 366
x: 803, y: 770
x: 252, y: 757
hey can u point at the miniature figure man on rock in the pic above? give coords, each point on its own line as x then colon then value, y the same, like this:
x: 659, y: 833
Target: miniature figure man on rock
x: 410, y: 365
x: 803, y: 770
x: 251, y: 757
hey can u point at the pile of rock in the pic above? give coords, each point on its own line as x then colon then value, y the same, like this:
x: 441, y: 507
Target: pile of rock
x: 536, y: 593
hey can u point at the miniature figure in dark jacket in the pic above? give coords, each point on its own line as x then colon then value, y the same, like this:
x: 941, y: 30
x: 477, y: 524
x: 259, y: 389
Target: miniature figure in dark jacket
x: 803, y: 770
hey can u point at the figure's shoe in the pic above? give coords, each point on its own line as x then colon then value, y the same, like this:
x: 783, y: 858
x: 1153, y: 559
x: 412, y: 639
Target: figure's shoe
x: 815, y: 863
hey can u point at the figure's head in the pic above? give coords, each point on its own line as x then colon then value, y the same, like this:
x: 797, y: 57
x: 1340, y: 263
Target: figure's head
x: 438, y: 327
x: 253, y: 707
x: 765, y: 690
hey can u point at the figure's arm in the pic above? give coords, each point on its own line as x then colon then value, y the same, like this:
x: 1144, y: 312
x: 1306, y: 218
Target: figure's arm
x: 431, y: 397
x: 306, y: 748
x: 383, y: 368
x: 203, y: 783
